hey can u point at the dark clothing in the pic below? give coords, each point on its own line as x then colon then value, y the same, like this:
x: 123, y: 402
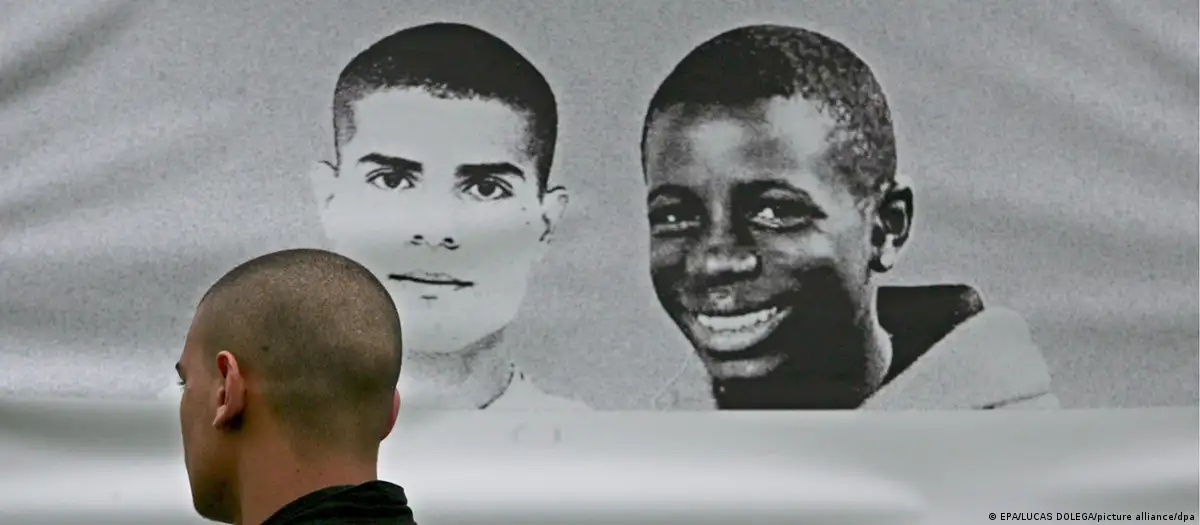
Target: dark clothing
x: 948, y: 352
x: 918, y: 317
x: 371, y: 503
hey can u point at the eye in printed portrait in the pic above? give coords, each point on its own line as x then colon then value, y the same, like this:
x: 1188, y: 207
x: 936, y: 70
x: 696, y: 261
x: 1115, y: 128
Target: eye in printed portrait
x: 774, y: 204
x: 444, y: 138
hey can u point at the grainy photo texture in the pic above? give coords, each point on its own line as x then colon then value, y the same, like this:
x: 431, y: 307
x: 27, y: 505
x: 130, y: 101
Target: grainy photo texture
x: 668, y: 205
x: 444, y: 137
x: 770, y: 160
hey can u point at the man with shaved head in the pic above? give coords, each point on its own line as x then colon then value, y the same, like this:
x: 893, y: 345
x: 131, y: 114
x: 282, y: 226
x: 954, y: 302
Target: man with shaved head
x: 288, y: 380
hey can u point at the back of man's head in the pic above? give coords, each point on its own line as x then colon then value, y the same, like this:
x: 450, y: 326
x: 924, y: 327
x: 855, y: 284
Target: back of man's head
x: 317, y: 339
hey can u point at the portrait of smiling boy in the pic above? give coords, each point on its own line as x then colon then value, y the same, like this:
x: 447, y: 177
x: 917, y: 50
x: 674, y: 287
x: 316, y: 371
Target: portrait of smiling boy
x: 773, y: 203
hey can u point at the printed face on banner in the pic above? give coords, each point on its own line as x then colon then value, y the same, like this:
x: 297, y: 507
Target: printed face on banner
x: 440, y: 198
x: 758, y: 247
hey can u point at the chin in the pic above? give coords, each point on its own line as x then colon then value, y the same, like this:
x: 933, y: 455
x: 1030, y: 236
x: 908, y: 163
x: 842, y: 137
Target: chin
x: 722, y: 367
x: 209, y: 505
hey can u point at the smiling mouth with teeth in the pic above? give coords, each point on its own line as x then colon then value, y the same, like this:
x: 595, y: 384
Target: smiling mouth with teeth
x: 734, y: 333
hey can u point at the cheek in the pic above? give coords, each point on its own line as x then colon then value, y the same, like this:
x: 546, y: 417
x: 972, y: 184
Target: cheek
x: 359, y: 226
x: 854, y: 248
x: 507, y: 230
x: 193, y: 449
x: 797, y: 252
x: 668, y: 269
x: 667, y: 254
x: 524, y: 219
x: 187, y: 421
x: 371, y: 228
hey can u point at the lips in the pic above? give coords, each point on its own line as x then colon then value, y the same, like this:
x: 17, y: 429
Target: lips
x: 431, y: 279
x: 735, y: 332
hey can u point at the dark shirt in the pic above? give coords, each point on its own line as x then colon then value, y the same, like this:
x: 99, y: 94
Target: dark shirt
x: 371, y: 503
x: 917, y: 317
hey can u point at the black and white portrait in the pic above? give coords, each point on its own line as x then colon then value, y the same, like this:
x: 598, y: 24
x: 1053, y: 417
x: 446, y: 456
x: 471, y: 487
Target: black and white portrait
x: 623, y: 205
x: 774, y: 200
x: 444, y: 137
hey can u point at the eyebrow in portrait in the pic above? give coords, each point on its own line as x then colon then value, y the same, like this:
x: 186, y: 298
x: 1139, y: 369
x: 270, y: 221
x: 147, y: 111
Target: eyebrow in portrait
x: 669, y: 191
x: 392, y: 162
x: 490, y: 169
x: 759, y: 187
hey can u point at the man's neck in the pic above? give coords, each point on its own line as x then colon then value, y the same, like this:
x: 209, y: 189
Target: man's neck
x: 797, y: 386
x: 468, y: 379
x: 271, y: 480
x: 879, y: 355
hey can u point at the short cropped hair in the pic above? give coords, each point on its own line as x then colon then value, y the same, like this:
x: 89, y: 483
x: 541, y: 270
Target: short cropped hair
x: 319, y: 334
x: 451, y: 60
x: 747, y: 65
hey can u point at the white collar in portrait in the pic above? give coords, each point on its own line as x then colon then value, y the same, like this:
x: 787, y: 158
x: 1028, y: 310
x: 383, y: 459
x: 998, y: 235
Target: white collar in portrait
x: 522, y: 394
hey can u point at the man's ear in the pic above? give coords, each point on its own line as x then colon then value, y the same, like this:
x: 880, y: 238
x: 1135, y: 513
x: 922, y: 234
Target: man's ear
x: 554, y: 203
x: 321, y: 178
x: 892, y: 223
x: 230, y: 394
x: 392, y: 418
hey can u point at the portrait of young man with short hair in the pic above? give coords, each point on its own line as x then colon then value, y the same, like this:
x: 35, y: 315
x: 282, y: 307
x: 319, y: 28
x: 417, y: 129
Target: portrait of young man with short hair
x: 774, y: 203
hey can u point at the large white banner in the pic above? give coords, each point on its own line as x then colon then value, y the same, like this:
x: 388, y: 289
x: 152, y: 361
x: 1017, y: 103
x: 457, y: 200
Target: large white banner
x: 917, y: 209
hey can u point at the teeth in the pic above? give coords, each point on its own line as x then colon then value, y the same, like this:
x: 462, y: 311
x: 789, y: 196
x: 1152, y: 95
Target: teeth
x: 737, y: 322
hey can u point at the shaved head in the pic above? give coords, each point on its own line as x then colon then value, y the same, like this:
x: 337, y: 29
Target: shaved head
x: 319, y: 338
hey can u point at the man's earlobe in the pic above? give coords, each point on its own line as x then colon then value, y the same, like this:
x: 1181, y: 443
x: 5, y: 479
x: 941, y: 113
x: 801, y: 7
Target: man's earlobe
x: 554, y: 205
x: 896, y: 209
